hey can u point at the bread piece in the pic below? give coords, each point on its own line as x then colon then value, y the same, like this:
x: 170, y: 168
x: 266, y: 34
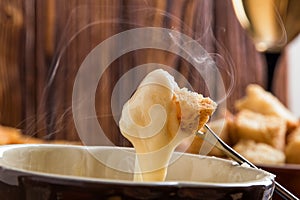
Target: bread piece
x: 9, y: 135
x: 192, y: 108
x: 259, y: 153
x: 30, y: 140
x: 261, y: 101
x: 260, y: 128
x: 292, y: 150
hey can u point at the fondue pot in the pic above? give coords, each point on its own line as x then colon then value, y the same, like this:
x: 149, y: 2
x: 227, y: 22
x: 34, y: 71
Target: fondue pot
x: 106, y: 172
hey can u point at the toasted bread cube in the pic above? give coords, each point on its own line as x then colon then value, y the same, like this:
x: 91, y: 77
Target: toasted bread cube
x: 259, y: 153
x: 261, y: 101
x: 260, y: 128
x: 292, y: 150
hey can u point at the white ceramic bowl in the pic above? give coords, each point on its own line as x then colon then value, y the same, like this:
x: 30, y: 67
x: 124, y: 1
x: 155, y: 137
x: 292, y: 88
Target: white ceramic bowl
x: 78, y: 172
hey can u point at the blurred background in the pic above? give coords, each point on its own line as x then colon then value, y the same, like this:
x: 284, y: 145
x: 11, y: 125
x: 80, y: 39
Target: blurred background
x: 293, y: 82
x: 43, y: 43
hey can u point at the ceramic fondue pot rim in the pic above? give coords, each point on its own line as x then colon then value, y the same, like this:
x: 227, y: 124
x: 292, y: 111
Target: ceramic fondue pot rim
x: 268, y: 179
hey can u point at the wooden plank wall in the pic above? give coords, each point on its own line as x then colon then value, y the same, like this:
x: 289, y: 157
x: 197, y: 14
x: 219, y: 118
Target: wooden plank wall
x: 36, y: 92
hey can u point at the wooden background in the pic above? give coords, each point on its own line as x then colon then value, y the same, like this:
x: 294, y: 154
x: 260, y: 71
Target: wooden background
x: 36, y: 94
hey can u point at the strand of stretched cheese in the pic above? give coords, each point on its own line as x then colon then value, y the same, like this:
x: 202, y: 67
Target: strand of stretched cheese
x: 157, y: 118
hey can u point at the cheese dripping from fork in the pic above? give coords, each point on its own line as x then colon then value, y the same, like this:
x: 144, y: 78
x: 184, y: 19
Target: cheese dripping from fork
x: 157, y: 118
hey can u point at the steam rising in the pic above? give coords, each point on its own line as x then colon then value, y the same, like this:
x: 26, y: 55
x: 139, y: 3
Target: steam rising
x: 173, y: 37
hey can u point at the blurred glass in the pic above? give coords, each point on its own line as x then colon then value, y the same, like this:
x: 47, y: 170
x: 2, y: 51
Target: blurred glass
x: 272, y: 24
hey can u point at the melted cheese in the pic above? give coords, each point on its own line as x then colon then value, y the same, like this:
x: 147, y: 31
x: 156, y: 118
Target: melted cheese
x: 156, y: 119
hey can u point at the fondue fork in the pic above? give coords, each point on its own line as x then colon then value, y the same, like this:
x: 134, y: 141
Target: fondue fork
x: 216, y: 141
